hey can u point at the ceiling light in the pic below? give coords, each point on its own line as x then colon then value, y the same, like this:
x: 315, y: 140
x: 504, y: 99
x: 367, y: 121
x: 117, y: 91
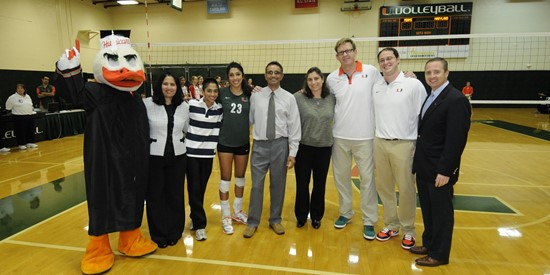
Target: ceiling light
x: 127, y: 2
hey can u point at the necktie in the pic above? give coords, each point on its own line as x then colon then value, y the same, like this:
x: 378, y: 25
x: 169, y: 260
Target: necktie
x: 428, y: 103
x: 270, y: 132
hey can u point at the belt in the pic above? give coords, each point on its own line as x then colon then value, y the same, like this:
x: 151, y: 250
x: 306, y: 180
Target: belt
x: 391, y: 139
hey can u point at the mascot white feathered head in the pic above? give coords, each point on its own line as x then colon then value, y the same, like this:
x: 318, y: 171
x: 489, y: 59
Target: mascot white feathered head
x: 118, y: 65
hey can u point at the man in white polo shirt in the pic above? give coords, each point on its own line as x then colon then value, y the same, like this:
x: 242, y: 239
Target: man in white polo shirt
x: 397, y: 103
x: 353, y: 133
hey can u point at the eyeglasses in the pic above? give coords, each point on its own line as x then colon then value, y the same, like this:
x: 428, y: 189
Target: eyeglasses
x: 273, y: 73
x: 382, y: 60
x: 348, y: 51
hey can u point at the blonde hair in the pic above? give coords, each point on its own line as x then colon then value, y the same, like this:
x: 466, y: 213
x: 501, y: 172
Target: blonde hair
x: 342, y: 42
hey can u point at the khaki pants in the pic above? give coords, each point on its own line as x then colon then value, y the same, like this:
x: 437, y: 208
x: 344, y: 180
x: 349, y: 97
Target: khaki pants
x: 343, y: 151
x: 393, y: 160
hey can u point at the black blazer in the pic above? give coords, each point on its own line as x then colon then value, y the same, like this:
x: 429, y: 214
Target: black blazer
x: 442, y: 135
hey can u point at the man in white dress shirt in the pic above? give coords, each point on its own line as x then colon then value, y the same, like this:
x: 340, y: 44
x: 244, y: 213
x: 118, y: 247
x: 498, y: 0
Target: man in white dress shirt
x: 276, y: 134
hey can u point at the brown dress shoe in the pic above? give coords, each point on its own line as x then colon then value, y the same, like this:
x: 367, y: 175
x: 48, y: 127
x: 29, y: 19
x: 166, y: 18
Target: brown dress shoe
x: 421, y: 259
x: 249, y: 232
x: 420, y: 250
x: 429, y: 261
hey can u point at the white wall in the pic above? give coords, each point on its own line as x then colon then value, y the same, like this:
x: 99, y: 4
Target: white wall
x: 279, y: 20
x: 34, y: 32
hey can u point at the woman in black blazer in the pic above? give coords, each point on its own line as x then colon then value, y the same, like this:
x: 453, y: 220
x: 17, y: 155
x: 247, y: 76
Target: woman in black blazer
x: 168, y: 119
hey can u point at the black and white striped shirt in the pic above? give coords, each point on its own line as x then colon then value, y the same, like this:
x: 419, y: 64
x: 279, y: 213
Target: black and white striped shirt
x: 204, y: 129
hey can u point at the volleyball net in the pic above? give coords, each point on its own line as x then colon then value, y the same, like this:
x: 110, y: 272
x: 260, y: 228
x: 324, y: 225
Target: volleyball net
x: 474, y: 53
x: 479, y: 52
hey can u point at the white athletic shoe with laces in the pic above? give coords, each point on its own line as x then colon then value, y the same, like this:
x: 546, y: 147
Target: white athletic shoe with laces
x: 22, y: 147
x: 31, y: 145
x: 227, y: 225
x: 240, y: 217
x: 5, y: 150
x: 200, y: 235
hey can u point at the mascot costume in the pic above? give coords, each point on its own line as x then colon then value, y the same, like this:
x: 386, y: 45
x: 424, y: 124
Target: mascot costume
x: 116, y: 149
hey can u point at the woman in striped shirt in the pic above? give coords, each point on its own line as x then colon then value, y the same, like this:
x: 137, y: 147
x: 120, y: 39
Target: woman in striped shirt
x: 205, y: 116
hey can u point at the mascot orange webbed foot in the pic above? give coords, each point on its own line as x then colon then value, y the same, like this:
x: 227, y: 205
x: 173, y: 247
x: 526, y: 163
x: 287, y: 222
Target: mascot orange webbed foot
x: 98, y: 257
x: 133, y: 244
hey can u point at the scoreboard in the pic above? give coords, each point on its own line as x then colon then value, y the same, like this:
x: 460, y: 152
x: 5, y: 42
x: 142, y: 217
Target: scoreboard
x: 432, y: 19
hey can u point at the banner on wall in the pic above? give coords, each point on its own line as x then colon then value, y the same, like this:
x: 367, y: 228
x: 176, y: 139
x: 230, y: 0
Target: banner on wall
x: 305, y: 3
x: 217, y: 6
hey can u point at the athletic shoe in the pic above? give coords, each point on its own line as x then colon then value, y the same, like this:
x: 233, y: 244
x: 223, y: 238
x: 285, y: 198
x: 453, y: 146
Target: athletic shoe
x: 5, y: 150
x: 227, y: 226
x: 240, y: 217
x: 368, y: 232
x: 200, y: 235
x: 341, y: 222
x: 31, y: 145
x: 22, y: 147
x: 408, y: 242
x: 386, y: 234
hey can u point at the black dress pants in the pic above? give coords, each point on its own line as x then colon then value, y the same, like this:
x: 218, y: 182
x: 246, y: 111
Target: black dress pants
x: 438, y: 217
x: 24, y: 128
x: 165, y: 198
x: 198, y: 173
x: 310, y: 160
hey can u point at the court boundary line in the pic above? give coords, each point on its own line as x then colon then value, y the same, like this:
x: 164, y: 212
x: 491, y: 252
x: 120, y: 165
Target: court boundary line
x: 188, y: 259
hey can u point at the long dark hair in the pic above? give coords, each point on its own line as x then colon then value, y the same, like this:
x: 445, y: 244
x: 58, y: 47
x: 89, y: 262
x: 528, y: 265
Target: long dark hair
x: 247, y: 89
x: 324, y: 89
x: 158, y: 96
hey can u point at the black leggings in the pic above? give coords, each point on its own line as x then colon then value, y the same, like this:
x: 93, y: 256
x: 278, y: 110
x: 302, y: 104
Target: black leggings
x: 24, y: 128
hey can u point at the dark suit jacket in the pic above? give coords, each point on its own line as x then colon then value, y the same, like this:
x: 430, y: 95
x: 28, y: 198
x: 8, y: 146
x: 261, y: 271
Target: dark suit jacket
x: 442, y: 135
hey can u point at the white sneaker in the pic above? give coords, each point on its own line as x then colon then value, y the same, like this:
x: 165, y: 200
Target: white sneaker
x: 240, y: 217
x: 31, y: 145
x: 22, y: 147
x: 227, y: 225
x: 5, y: 150
x: 200, y: 235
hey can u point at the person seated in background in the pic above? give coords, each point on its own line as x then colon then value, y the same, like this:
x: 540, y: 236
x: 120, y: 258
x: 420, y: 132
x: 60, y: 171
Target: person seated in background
x: 468, y: 91
x: 46, y: 93
x: 184, y: 89
x: 20, y: 105
x: 194, y: 89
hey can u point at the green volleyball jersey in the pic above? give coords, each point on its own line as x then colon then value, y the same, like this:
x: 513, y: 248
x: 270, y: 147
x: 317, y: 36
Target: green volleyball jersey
x: 235, y: 130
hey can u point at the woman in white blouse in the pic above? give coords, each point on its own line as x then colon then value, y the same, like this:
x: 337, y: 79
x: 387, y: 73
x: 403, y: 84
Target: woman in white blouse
x: 168, y: 119
x: 21, y: 107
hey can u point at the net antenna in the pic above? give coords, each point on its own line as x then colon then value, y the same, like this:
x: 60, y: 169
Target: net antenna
x: 150, y: 71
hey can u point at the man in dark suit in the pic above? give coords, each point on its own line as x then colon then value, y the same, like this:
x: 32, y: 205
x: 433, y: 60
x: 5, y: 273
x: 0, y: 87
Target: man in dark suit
x: 442, y: 133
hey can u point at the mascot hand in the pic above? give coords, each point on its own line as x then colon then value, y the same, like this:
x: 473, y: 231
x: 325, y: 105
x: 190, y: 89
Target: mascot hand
x: 69, y: 60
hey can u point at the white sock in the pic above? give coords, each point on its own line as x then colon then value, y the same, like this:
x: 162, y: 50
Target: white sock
x: 238, y: 204
x: 226, y: 211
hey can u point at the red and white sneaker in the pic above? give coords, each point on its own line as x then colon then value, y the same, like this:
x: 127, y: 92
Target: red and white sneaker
x: 227, y: 226
x: 386, y: 234
x: 408, y: 242
x: 240, y: 217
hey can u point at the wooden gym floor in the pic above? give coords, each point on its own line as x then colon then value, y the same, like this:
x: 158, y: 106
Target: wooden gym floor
x: 502, y: 216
